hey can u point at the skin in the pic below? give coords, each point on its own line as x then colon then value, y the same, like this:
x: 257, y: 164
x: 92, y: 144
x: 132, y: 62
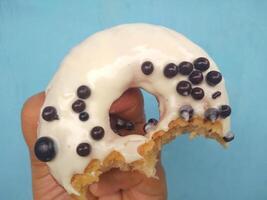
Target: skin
x: 114, y: 184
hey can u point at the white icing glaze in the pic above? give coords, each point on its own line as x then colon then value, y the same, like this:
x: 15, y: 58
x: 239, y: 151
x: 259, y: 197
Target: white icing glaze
x: 109, y: 62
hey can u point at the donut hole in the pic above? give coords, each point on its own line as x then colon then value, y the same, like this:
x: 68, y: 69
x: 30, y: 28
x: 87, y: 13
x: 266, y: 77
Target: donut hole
x: 124, y: 115
x: 151, y: 105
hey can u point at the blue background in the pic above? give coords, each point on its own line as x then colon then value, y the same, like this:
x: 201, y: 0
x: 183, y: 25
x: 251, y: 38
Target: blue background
x: 35, y: 35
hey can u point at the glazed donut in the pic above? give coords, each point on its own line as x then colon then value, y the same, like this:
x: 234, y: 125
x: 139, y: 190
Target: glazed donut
x: 75, y: 138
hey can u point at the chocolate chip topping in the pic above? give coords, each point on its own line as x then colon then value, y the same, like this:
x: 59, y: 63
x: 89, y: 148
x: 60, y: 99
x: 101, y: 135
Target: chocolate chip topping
x: 216, y: 94
x: 78, y: 106
x: 49, y: 113
x: 83, y: 116
x: 150, y: 125
x: 97, y: 133
x: 83, y: 92
x: 146, y: 127
x: 211, y: 114
x: 170, y: 70
x: 185, y: 68
x: 186, y: 112
x: 202, y: 64
x: 229, y: 137
x: 225, y: 111
x: 129, y: 126
x: 44, y: 149
x: 120, y: 124
x: 196, y: 77
x: 213, y: 78
x: 147, y: 67
x: 153, y: 121
x: 83, y: 149
x: 184, y: 88
x: 197, y: 93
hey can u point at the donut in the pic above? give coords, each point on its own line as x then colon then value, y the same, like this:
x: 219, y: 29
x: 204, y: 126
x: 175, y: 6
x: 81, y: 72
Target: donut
x: 75, y: 138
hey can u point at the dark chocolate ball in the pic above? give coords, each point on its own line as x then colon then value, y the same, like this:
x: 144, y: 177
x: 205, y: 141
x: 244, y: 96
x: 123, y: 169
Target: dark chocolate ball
x: 225, y: 111
x: 120, y: 124
x: 197, y: 93
x: 229, y: 137
x: 83, y: 92
x: 49, y: 113
x: 216, y: 94
x: 129, y: 126
x: 185, y: 68
x: 44, y: 149
x: 213, y: 78
x: 186, y: 112
x: 78, y: 106
x: 170, y: 70
x: 202, y: 64
x: 147, y: 67
x: 97, y: 133
x: 184, y: 88
x: 146, y: 127
x: 153, y: 121
x: 83, y: 149
x: 196, y: 77
x: 83, y: 116
x: 212, y: 114
x: 150, y: 124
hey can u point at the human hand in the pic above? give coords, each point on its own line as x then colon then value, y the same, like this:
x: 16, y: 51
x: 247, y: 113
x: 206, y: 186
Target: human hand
x: 113, y: 185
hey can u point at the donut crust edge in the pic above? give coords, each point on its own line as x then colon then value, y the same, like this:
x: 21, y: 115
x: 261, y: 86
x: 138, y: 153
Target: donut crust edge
x: 149, y: 151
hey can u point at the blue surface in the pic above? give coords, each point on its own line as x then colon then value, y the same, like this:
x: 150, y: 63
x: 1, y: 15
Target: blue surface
x: 35, y: 35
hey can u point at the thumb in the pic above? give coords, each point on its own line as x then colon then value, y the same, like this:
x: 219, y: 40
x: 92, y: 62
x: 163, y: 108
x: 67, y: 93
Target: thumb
x: 30, y: 117
x: 29, y: 122
x: 129, y: 107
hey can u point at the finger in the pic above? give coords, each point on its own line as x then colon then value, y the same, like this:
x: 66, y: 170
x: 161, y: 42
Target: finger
x: 29, y: 121
x: 90, y: 196
x: 129, y: 107
x: 154, y: 186
x: 114, y: 181
x: 30, y: 116
x: 114, y: 196
x: 56, y: 192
